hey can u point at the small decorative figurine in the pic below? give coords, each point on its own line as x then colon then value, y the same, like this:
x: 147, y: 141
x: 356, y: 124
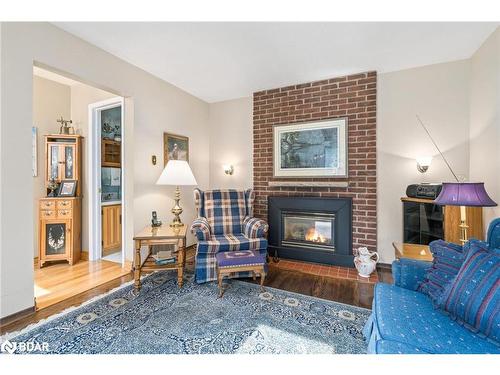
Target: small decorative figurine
x: 154, y: 221
x: 65, y: 129
x: 52, y: 186
x: 364, y: 262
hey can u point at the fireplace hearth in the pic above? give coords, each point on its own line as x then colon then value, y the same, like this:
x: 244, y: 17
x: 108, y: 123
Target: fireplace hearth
x: 311, y: 229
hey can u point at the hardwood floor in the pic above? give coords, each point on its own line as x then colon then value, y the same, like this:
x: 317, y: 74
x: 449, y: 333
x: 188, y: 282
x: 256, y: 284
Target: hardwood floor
x: 57, y: 282
x: 63, y: 305
x: 347, y: 291
x: 352, y: 292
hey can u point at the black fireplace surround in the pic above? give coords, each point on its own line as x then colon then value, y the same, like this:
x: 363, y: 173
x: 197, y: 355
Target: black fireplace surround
x: 340, y: 209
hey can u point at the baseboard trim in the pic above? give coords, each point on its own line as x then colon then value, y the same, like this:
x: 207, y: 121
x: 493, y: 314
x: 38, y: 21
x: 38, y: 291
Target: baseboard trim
x: 84, y: 255
x: 16, y: 316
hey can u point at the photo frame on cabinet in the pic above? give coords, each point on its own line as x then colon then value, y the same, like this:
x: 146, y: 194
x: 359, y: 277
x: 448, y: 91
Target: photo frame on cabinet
x: 67, y: 188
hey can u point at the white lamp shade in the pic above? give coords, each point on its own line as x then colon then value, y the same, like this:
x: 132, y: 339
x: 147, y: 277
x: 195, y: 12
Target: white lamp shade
x: 177, y: 173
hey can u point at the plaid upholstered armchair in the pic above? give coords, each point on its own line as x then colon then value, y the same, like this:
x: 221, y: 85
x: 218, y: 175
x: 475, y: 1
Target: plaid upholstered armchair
x: 225, y: 223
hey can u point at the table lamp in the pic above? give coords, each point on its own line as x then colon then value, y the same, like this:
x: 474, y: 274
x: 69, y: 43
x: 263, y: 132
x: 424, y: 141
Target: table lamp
x: 177, y: 173
x: 464, y: 194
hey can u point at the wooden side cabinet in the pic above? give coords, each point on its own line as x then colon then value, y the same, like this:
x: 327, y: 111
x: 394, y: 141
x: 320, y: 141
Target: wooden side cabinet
x: 111, y: 228
x: 424, y: 222
x: 452, y: 222
x: 60, y: 235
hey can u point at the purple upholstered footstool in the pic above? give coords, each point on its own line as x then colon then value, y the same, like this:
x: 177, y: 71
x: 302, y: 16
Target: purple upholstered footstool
x: 229, y: 262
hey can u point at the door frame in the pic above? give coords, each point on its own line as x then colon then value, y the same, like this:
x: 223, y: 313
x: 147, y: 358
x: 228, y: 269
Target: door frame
x: 94, y: 159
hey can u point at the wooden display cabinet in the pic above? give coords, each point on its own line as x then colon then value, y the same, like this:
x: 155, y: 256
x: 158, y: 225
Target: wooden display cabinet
x: 60, y: 235
x: 60, y: 218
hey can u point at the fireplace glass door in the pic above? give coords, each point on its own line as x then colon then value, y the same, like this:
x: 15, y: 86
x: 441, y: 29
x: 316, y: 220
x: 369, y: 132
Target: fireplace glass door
x: 314, y: 230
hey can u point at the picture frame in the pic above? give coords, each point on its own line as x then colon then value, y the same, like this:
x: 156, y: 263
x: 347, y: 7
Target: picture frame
x: 67, y: 188
x: 311, y: 149
x: 175, y: 147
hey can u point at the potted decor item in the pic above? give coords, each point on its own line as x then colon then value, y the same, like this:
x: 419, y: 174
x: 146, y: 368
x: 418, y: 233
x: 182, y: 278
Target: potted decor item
x: 364, y: 262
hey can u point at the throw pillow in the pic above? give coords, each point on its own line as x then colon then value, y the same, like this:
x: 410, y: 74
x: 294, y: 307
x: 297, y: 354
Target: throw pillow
x: 447, y: 260
x: 474, y: 296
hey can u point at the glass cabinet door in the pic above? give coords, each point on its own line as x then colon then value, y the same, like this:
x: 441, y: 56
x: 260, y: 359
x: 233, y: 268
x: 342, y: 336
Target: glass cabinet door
x: 56, y: 238
x: 53, y: 167
x: 69, y: 162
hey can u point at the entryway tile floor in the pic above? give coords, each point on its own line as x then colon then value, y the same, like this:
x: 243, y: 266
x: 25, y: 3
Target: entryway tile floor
x: 323, y: 270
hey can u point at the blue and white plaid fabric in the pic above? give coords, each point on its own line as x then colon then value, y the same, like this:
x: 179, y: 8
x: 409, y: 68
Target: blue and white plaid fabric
x: 225, y: 224
x: 225, y: 210
x: 201, y: 229
x: 254, y: 228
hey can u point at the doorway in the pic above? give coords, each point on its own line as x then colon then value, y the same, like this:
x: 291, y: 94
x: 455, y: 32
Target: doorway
x: 62, y: 140
x: 106, y: 158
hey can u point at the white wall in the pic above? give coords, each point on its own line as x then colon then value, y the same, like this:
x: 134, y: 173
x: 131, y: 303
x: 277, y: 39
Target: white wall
x: 231, y: 142
x: 81, y: 96
x: 485, y: 121
x: 158, y: 107
x: 51, y: 100
x: 439, y: 94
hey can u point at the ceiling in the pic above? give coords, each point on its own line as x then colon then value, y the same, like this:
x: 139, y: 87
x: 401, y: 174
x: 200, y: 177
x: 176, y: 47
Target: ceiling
x: 221, y: 61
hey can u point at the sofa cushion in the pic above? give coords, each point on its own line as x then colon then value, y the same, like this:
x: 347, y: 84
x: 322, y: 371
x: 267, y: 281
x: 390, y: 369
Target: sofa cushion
x: 230, y: 242
x: 447, y: 260
x: 396, y: 347
x: 409, y: 273
x: 494, y: 234
x: 409, y: 317
x: 474, y: 296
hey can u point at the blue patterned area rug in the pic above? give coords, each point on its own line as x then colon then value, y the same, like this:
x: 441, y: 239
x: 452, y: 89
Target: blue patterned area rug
x: 165, y: 319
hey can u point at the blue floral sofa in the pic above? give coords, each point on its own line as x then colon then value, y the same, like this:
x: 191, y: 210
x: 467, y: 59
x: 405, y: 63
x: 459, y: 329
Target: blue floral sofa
x: 404, y: 320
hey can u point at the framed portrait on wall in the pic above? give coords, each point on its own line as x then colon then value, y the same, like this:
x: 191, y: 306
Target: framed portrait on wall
x: 314, y: 149
x: 175, y: 147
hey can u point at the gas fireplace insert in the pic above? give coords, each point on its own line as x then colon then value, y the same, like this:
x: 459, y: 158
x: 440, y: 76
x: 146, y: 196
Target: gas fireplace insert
x: 311, y: 229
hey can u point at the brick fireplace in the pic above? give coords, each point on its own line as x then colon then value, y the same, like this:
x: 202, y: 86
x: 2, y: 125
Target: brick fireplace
x: 352, y: 97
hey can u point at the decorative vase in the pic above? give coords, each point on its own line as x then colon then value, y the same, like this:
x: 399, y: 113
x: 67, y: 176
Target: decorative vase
x: 364, y: 262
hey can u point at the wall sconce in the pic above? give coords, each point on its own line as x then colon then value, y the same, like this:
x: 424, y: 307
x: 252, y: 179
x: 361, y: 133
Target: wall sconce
x: 228, y: 169
x: 423, y: 163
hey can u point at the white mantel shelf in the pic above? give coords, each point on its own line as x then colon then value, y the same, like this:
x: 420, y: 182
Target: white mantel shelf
x: 341, y: 184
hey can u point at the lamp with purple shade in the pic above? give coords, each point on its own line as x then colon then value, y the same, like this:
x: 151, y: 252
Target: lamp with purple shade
x: 464, y: 194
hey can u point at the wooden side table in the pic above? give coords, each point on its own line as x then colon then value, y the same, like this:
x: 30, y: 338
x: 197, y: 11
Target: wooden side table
x: 412, y: 251
x: 159, y: 236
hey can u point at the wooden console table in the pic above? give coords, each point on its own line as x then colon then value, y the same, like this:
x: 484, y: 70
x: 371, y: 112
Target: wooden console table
x: 159, y: 236
x: 412, y: 251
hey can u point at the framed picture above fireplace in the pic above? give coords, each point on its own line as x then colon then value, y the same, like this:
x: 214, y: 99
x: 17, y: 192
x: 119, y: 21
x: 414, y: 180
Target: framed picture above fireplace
x: 313, y: 149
